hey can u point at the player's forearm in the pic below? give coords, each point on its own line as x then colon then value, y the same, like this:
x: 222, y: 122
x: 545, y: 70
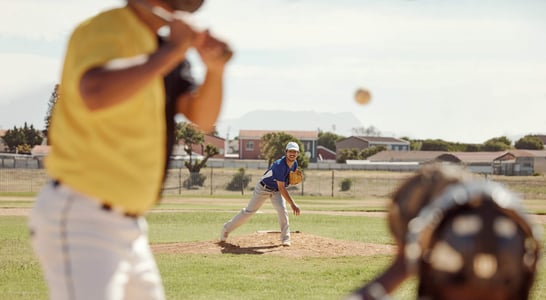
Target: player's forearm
x: 203, y: 109
x: 120, y: 79
x: 287, y: 196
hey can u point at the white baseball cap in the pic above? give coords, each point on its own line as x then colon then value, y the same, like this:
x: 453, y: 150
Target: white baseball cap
x: 292, y: 146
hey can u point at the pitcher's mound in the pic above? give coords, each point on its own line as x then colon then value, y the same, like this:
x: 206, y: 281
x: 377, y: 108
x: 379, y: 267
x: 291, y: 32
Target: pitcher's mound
x: 268, y: 243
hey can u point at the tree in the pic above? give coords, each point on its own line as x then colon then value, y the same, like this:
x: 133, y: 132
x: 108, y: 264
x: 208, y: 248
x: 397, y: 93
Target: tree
x: 435, y: 145
x: 497, y: 144
x: 50, y: 105
x: 414, y: 144
x: 328, y: 140
x: 21, y: 140
x: 365, y: 153
x: 363, y: 131
x: 529, y: 142
x: 347, y: 154
x: 192, y: 137
x: 274, y: 145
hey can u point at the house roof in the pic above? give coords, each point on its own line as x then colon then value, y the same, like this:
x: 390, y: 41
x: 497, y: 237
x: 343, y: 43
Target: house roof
x: 322, y: 148
x: 257, y: 134
x: 400, y: 156
x: 209, y: 137
x: 40, y: 150
x: 426, y: 156
x: 470, y: 157
x: 380, y: 140
x: 513, y: 154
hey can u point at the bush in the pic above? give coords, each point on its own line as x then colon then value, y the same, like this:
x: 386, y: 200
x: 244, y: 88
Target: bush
x: 346, y: 184
x: 239, y: 181
x: 195, y: 179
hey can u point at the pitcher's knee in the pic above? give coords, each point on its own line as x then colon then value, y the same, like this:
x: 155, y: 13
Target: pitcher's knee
x: 248, y: 212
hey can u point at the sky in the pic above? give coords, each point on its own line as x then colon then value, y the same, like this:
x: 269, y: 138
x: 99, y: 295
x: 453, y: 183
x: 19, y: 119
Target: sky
x: 457, y: 70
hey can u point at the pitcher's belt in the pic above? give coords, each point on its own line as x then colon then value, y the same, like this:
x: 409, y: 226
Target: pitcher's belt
x: 268, y: 188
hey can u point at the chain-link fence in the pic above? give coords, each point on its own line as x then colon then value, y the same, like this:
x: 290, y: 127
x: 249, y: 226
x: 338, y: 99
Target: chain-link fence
x: 361, y: 184
x: 232, y: 181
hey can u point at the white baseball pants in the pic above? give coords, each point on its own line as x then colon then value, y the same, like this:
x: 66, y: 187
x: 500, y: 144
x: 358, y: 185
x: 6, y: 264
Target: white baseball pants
x: 87, y: 252
x: 258, y: 198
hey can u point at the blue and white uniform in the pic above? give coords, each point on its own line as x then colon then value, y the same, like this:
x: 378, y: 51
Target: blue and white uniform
x: 267, y: 188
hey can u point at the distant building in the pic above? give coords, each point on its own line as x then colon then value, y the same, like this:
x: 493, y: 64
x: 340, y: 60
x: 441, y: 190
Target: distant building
x: 216, y: 141
x: 364, y: 142
x: 40, y: 150
x: 3, y: 147
x: 420, y: 157
x: 325, y: 154
x: 510, y: 163
x: 520, y: 163
x: 250, y: 142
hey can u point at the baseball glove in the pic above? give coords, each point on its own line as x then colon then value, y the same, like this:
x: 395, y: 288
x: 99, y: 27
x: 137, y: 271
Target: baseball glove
x: 295, y: 177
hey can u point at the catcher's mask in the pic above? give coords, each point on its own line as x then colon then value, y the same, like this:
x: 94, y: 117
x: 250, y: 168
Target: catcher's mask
x: 184, y: 5
x: 473, y: 242
x: 417, y: 191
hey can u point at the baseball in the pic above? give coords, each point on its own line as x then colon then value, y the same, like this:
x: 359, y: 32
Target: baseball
x: 362, y: 96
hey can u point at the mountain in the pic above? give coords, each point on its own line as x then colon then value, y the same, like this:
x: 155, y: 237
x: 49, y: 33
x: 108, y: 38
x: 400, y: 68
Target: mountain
x: 339, y: 123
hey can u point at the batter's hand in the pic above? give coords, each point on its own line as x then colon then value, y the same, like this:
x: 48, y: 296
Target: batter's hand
x: 182, y: 35
x: 296, y: 209
x: 214, y: 52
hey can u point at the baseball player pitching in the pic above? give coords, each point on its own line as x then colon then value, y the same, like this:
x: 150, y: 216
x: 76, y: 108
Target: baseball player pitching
x: 281, y: 173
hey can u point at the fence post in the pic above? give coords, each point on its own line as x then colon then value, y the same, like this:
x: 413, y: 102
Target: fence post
x: 211, y: 169
x: 302, y: 181
x: 332, y: 183
x: 180, y: 181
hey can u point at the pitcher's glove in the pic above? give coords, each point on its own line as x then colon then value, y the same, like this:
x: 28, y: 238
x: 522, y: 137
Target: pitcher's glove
x: 295, y: 177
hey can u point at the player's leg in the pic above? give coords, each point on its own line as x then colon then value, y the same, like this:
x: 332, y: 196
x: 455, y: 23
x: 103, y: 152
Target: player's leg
x: 258, y: 198
x: 280, y: 206
x: 86, y: 252
x: 47, y: 240
x: 145, y: 281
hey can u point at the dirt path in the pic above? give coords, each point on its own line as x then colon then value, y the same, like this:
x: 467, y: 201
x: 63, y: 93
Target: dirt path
x: 267, y: 243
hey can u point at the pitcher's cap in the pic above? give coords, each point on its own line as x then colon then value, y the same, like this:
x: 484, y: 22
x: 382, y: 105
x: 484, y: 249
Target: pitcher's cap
x: 292, y: 146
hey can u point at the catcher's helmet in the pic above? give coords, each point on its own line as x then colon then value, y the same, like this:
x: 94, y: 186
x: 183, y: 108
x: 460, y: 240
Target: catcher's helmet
x: 473, y: 242
x: 417, y: 191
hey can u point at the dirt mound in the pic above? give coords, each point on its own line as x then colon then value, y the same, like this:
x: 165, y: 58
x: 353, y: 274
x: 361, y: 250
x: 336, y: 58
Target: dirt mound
x: 268, y: 243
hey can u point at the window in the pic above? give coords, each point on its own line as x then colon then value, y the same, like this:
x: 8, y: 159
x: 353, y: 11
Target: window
x: 249, y: 146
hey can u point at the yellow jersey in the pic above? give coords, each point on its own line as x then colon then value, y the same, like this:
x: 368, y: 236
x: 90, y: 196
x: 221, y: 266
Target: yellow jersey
x: 116, y: 154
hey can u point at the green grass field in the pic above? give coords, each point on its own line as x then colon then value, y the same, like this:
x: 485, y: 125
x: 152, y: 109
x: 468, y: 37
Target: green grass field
x: 231, y: 276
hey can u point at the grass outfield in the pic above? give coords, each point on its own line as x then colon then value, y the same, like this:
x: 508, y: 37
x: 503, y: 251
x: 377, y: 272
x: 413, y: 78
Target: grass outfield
x: 232, y: 276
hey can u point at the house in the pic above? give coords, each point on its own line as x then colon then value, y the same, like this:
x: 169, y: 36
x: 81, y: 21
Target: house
x: 520, y: 163
x: 324, y: 153
x: 3, y: 146
x: 216, y: 141
x: 420, y: 157
x: 478, y: 162
x: 363, y: 142
x: 250, y: 142
x: 40, y: 150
